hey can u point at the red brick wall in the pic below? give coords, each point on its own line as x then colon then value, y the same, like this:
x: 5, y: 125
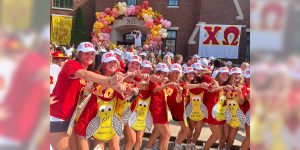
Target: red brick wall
x: 88, y: 8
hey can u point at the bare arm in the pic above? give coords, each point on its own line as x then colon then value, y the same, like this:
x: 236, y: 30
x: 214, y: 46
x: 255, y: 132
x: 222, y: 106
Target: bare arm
x: 240, y: 95
x: 179, y: 94
x: 96, y: 78
x: 191, y: 86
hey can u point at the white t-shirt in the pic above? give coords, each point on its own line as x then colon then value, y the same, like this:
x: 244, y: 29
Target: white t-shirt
x: 68, y: 51
x: 6, y: 73
x: 214, y: 74
x: 137, y: 40
x: 54, y: 71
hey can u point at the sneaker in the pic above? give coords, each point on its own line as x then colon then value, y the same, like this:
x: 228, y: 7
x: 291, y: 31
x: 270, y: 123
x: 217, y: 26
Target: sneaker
x: 155, y: 146
x: 188, y: 146
x: 177, y: 147
x: 193, y: 146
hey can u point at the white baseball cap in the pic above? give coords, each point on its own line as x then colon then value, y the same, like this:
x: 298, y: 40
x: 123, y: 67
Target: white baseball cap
x: 118, y: 51
x: 196, y: 56
x: 188, y: 70
x: 103, y: 50
x: 229, y: 63
x: 235, y: 70
x: 223, y: 69
x: 143, y: 54
x: 127, y: 56
x: 109, y: 56
x: 136, y: 58
x: 170, y: 54
x: 146, y: 64
x: 211, y: 58
x: 197, y: 66
x: 203, y: 62
x: 86, y: 47
x: 162, y: 67
x: 176, y: 67
x: 247, y: 72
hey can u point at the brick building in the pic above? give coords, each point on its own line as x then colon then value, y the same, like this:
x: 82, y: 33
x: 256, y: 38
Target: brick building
x: 185, y: 15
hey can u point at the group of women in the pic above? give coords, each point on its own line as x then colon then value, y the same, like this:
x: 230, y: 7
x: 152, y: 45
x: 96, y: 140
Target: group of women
x: 112, y: 103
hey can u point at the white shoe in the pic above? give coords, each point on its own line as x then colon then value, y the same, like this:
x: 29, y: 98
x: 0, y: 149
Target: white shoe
x: 155, y: 145
x: 98, y: 147
x: 177, y: 147
x: 193, y: 146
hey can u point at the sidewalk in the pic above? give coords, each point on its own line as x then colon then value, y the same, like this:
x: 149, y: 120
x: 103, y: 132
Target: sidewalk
x: 205, y: 133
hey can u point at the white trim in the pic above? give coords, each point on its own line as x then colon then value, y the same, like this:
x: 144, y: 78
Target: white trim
x: 57, y: 8
x: 61, y: 15
x: 239, y: 10
x: 172, y: 6
x: 192, y: 37
x: 173, y: 28
x: 248, y: 30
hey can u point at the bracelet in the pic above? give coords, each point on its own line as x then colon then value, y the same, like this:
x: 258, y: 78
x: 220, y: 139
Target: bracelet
x: 86, y: 93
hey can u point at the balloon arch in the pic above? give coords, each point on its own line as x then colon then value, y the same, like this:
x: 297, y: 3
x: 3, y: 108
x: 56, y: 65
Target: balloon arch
x: 154, y: 22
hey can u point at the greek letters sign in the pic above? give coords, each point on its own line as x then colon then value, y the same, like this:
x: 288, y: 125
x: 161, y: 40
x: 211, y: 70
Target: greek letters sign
x: 220, y: 41
x: 61, y: 29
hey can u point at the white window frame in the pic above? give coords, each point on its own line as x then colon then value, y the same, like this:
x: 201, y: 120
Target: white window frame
x: 62, y: 8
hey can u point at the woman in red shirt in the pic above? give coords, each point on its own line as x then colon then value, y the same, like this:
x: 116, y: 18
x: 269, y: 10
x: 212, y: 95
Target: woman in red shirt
x: 158, y: 109
x: 246, y: 108
x: 67, y: 90
x: 101, y: 107
x: 140, y: 118
x: 216, y: 100
x: 176, y: 103
x: 234, y: 98
x: 196, y: 107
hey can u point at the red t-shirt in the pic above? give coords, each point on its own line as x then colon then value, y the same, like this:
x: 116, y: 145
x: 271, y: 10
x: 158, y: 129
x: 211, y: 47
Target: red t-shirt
x: 90, y: 110
x: 158, y: 106
x: 246, y: 106
x: 144, y: 94
x: 25, y: 99
x: 67, y: 90
x: 176, y: 109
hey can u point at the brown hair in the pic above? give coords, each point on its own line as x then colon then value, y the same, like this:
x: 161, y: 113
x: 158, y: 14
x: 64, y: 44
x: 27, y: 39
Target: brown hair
x: 177, y: 58
x: 240, y: 83
x: 103, y: 66
x: 78, y: 58
x: 219, y: 80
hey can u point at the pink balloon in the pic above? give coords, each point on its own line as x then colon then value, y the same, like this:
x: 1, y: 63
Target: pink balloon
x: 158, y: 38
x: 105, y: 23
x: 168, y: 24
x: 94, y: 40
x: 107, y: 11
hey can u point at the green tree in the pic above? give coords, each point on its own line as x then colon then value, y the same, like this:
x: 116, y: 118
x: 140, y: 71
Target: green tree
x: 79, y: 30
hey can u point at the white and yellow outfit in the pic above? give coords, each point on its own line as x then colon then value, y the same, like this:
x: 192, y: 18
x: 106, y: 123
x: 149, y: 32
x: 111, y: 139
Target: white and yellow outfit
x: 106, y: 124
x: 218, y: 111
x: 196, y: 110
x: 233, y: 114
x: 141, y: 118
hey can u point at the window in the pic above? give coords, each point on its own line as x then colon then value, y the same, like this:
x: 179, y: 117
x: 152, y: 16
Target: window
x: 247, y: 53
x: 171, y: 40
x: 63, y: 4
x: 173, y: 3
x: 131, y: 2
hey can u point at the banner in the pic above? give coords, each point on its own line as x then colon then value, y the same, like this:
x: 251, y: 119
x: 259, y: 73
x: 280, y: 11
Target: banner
x: 219, y: 41
x: 61, y: 28
x: 268, y: 21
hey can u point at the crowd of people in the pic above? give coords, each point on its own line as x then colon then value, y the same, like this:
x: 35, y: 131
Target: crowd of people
x: 100, y: 95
